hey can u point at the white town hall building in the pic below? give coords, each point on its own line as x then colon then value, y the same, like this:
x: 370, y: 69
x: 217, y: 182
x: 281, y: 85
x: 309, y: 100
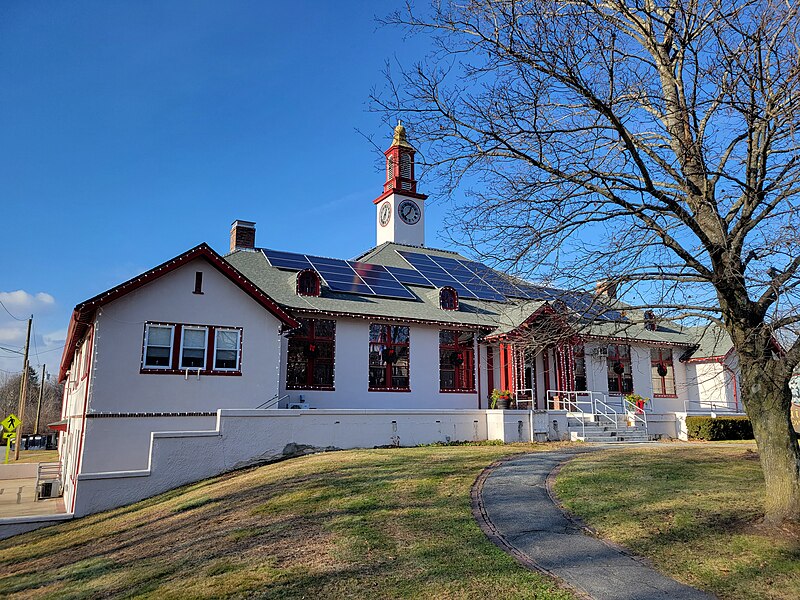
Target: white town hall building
x: 209, y: 362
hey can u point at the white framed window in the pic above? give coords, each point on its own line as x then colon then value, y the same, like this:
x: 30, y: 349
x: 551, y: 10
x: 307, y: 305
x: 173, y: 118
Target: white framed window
x: 158, y: 346
x: 193, y: 347
x: 226, y: 349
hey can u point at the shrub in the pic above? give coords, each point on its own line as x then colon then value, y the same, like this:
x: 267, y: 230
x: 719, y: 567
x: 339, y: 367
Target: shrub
x: 721, y: 428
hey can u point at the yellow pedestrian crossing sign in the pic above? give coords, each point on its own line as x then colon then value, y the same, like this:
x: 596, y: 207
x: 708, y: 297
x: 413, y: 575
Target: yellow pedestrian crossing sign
x: 10, y: 423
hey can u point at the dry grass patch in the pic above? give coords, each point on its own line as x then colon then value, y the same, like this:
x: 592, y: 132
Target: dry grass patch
x: 359, y: 524
x: 693, y: 510
x: 30, y: 456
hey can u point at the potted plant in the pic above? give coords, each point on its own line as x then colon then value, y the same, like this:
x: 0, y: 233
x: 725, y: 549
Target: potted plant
x: 636, y: 402
x: 501, y: 399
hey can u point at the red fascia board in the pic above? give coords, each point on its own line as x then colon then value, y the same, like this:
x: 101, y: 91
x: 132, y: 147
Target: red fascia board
x: 84, y: 312
x: 404, y: 193
x: 542, y: 311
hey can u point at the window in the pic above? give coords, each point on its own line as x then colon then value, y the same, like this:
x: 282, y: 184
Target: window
x: 198, y: 283
x: 448, y: 298
x: 579, y: 368
x: 226, y: 349
x: 456, y: 361
x: 173, y: 347
x: 158, y: 346
x: 309, y: 362
x: 662, y: 371
x: 193, y: 347
x: 620, y: 376
x: 308, y: 283
x: 388, y: 357
x: 390, y: 168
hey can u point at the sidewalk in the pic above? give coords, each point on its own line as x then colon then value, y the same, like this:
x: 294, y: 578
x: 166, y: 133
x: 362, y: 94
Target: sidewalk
x: 18, y: 493
x: 515, y: 510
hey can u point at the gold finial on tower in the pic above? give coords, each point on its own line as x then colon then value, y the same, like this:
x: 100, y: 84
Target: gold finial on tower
x: 399, y: 138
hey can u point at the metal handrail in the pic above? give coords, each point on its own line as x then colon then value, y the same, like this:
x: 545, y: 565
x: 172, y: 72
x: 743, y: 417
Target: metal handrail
x: 272, y: 401
x: 605, y: 414
x: 573, y: 406
x: 708, y: 407
x: 634, y: 414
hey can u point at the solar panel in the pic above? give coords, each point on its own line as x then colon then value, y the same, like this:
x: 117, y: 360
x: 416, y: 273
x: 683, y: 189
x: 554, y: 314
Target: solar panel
x: 409, y: 276
x: 287, y: 260
x: 496, y: 280
x: 382, y: 282
x: 469, y: 279
x: 343, y: 276
x: 435, y: 274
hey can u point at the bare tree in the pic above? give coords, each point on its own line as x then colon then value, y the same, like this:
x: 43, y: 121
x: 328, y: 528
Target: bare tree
x: 653, y: 142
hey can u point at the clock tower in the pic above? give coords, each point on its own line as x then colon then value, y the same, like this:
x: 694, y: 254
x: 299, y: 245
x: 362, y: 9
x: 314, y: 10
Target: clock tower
x: 400, y: 210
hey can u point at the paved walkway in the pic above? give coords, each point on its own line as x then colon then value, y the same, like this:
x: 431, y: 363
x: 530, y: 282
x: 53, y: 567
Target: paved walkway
x: 518, y: 514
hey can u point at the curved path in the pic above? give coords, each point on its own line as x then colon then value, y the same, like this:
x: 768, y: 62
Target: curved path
x: 514, y: 508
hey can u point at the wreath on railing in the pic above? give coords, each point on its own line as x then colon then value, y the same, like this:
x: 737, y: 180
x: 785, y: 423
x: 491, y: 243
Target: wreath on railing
x: 456, y: 359
x: 310, y: 351
x: 661, y: 369
x: 619, y: 368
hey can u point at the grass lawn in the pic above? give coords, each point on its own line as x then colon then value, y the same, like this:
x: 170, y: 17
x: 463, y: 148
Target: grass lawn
x: 393, y: 523
x: 694, y: 511
x: 29, y: 456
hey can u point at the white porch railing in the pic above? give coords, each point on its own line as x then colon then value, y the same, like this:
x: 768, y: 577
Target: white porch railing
x: 272, y: 402
x: 594, y: 406
x: 696, y: 406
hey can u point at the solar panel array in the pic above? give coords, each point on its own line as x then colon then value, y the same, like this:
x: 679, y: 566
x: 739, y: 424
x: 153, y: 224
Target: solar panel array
x: 342, y: 275
x: 476, y: 280
x: 470, y: 279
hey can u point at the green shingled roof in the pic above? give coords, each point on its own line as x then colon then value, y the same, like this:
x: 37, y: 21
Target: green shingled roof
x: 712, y: 341
x: 496, y: 318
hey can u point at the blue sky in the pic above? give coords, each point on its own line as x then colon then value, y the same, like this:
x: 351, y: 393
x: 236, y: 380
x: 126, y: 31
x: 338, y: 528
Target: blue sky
x: 134, y: 130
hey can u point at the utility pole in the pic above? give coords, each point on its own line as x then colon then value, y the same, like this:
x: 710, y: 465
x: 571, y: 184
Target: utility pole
x: 23, y: 391
x: 39, y: 403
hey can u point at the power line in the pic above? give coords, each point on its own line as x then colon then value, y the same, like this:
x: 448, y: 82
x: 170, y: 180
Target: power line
x: 9, y: 312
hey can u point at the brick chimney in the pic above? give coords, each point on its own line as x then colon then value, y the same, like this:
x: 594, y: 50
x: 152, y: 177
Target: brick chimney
x: 606, y: 288
x: 243, y: 235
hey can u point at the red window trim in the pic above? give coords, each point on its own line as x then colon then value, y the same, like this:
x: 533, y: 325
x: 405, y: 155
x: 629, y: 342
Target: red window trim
x: 310, y: 360
x: 627, y: 360
x: 388, y: 366
x: 670, y: 365
x: 468, y: 353
x: 174, y: 368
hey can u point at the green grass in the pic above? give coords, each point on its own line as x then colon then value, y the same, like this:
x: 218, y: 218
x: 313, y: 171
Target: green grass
x: 29, y: 456
x: 385, y: 523
x: 694, y: 511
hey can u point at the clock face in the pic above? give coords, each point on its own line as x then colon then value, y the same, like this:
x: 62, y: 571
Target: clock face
x: 385, y: 214
x: 409, y: 211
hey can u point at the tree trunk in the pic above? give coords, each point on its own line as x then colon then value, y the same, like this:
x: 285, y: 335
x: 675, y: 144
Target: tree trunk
x: 767, y: 399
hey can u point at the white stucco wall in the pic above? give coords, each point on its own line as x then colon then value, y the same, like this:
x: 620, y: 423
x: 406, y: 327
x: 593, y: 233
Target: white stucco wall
x: 351, y: 374
x: 243, y: 437
x: 129, y: 437
x: 118, y: 385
